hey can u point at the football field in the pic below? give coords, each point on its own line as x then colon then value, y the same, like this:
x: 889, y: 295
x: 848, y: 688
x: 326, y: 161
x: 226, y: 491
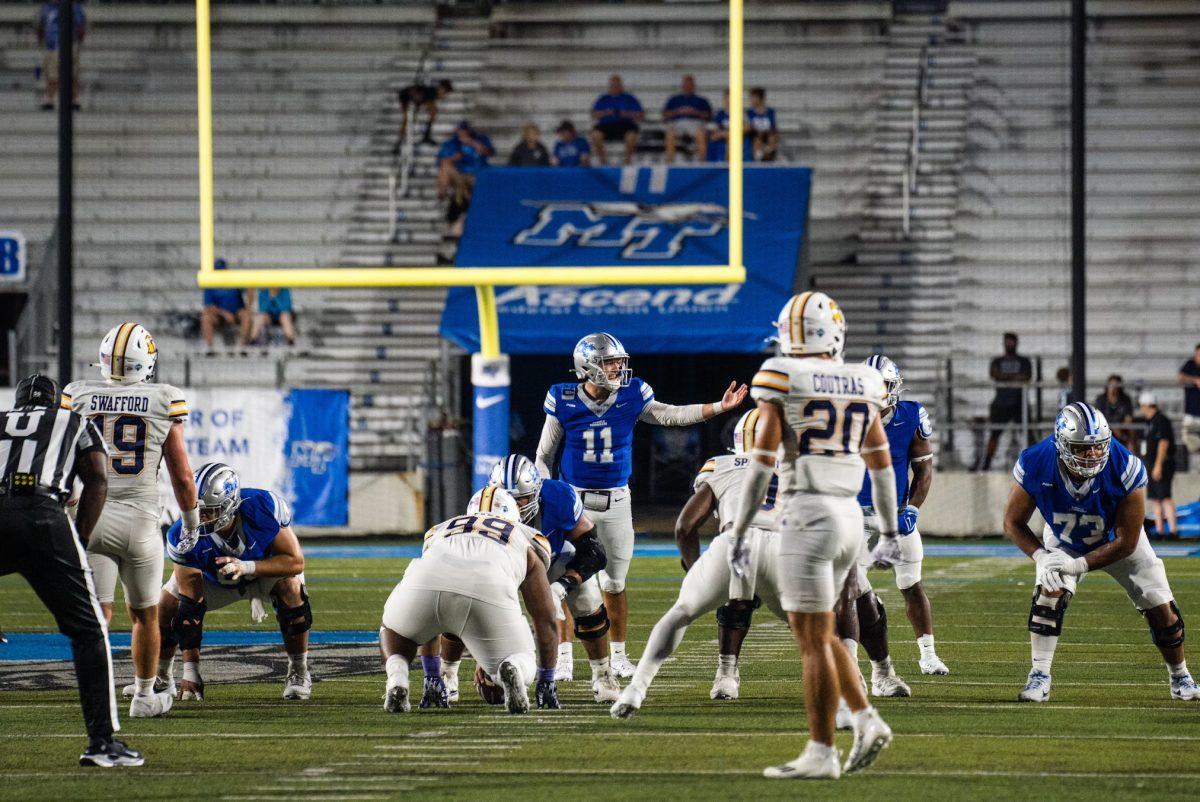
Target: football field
x: 1110, y: 730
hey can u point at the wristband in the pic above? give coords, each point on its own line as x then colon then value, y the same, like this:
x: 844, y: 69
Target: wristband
x: 191, y: 519
x: 250, y: 566
x: 718, y: 407
x: 568, y: 582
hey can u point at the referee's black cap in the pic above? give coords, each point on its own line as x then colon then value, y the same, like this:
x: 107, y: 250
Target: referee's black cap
x: 38, y: 390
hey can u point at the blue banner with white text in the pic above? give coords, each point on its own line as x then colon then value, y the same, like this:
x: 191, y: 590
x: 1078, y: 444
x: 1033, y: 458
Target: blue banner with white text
x: 318, y: 457
x: 636, y: 216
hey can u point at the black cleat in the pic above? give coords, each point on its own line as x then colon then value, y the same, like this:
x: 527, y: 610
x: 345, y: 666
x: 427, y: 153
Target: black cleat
x: 110, y: 753
x: 547, y: 695
x: 435, y: 694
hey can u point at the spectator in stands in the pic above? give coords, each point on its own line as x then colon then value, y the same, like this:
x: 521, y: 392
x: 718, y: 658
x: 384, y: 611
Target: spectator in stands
x: 529, y: 152
x: 1189, y: 378
x: 686, y: 115
x: 1066, y: 393
x: 1158, y: 452
x: 420, y: 97
x: 224, y: 307
x: 460, y: 158
x: 1117, y: 408
x: 47, y: 36
x: 717, y: 141
x: 761, y: 118
x: 1012, y: 373
x: 571, y: 150
x: 275, y: 309
x: 616, y: 116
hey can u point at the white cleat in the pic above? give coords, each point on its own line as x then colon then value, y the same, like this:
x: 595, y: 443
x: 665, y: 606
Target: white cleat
x: 843, y: 720
x: 621, y: 666
x: 889, y: 685
x: 395, y: 699
x: 816, y: 762
x: 605, y: 688
x: 870, y: 738
x: 450, y: 680
x: 297, y: 686
x: 160, y: 686
x: 1037, y: 688
x: 629, y: 702
x: 516, y: 696
x: 564, y: 671
x: 1184, y: 688
x: 726, y: 686
x: 933, y: 665
x: 150, y: 706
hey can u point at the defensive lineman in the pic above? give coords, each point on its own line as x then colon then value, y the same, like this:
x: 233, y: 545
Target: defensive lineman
x: 1091, y: 492
x: 594, y: 419
x: 466, y: 583
x: 816, y: 417
x: 142, y: 422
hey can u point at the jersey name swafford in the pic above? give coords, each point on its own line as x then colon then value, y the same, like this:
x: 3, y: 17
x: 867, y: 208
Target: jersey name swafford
x: 118, y: 403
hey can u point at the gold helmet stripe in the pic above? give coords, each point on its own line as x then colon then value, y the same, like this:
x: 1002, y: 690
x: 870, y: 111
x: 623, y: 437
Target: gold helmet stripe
x: 485, y: 500
x: 797, y: 316
x: 748, y: 430
x: 120, y: 343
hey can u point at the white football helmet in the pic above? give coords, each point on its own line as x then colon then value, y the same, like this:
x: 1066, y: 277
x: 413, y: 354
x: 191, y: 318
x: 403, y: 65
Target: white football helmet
x: 811, y: 323
x: 892, y: 379
x: 743, y: 435
x: 128, y: 354
x: 1082, y: 438
x: 496, y: 501
x: 590, y: 355
x: 521, y: 478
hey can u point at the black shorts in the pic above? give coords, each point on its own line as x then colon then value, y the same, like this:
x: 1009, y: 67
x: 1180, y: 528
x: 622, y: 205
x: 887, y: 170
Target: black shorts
x: 1004, y: 411
x: 615, y: 131
x: 1157, y: 491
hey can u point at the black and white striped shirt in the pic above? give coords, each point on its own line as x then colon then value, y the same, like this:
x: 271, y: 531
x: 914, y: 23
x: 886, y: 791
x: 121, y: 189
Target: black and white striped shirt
x: 45, y: 442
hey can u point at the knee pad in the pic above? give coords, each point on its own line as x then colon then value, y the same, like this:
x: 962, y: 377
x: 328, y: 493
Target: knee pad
x: 188, y: 624
x: 593, y: 626
x: 736, y: 613
x: 1046, y: 612
x: 876, y: 628
x: 1168, y: 637
x: 610, y: 585
x: 294, y: 620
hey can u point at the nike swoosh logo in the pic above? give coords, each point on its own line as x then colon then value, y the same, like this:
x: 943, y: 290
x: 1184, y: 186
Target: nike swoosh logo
x: 617, y: 406
x: 490, y: 401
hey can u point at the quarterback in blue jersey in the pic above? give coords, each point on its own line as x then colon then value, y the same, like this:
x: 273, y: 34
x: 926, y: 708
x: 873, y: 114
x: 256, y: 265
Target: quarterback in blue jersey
x: 244, y: 549
x: 1091, y: 492
x: 593, y: 420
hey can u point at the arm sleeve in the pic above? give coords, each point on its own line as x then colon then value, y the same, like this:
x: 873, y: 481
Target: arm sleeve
x: 552, y: 435
x: 671, y: 415
x: 883, y: 494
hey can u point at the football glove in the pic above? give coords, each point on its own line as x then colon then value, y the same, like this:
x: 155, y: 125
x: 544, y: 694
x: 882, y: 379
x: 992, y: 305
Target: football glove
x: 547, y: 695
x: 907, y: 519
x: 886, y: 553
x: 1058, y: 560
x: 188, y: 538
x: 234, y: 569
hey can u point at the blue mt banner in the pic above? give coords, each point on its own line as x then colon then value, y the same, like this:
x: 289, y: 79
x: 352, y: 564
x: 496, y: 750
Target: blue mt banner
x: 637, y: 216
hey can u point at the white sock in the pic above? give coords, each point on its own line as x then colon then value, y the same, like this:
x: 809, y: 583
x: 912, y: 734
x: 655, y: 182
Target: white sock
x: 618, y: 648
x: 925, y: 644
x: 727, y: 663
x: 145, y: 687
x: 298, y: 663
x: 450, y: 669
x: 599, y: 667
x: 166, y: 668
x: 397, y: 671
x: 851, y: 646
x: 1177, y: 669
x: 1042, y: 648
x: 191, y: 672
x: 881, y: 668
x: 566, y: 651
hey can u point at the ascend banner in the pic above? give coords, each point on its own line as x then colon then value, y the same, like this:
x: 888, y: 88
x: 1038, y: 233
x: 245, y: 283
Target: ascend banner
x: 631, y: 216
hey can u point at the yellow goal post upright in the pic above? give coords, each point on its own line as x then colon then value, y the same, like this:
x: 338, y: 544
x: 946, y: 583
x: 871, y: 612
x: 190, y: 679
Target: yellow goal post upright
x: 483, y: 278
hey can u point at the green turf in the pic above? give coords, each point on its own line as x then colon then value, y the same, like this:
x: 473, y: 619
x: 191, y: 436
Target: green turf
x: 1111, y: 730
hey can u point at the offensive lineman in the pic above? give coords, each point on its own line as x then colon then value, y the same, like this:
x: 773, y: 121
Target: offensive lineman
x: 708, y: 581
x: 594, y: 419
x: 1091, y: 492
x: 466, y: 583
x: 244, y: 549
x: 819, y: 419
x: 142, y: 423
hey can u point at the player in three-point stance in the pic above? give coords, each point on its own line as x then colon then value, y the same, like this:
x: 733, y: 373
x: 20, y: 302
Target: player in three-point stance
x: 594, y: 420
x: 466, y: 582
x: 142, y: 423
x: 244, y: 549
x: 819, y: 421
x: 1091, y: 492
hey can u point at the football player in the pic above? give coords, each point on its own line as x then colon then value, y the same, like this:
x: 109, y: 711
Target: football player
x: 594, y: 420
x: 142, y: 424
x: 1090, y: 490
x: 244, y: 549
x: 708, y: 584
x: 466, y: 583
x: 819, y: 419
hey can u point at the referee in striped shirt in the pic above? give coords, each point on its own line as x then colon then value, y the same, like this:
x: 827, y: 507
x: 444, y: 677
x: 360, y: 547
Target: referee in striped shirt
x: 42, y: 449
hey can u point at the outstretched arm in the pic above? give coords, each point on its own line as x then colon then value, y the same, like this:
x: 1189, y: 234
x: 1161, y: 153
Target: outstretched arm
x: 685, y: 415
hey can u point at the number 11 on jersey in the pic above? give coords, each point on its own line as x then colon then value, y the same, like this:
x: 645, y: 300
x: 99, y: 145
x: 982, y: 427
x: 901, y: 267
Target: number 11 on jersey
x: 589, y: 441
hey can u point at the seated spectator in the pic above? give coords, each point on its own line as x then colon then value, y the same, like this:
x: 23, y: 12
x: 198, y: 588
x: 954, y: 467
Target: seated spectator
x: 47, y: 36
x: 529, y: 152
x: 224, y: 307
x: 762, y: 121
x: 421, y: 97
x: 460, y: 158
x: 1189, y: 379
x: 1117, y: 408
x: 275, y: 309
x: 616, y: 116
x: 1158, y: 453
x: 1066, y: 393
x: 571, y: 150
x: 717, y: 141
x: 686, y: 115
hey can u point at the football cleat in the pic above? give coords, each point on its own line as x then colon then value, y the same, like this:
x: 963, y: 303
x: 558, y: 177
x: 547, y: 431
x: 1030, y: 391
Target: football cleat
x: 395, y: 699
x: 889, y: 685
x: 516, y: 698
x: 843, y: 719
x: 564, y: 671
x: 297, y: 686
x: 726, y: 685
x: 870, y: 738
x: 151, y: 705
x: 605, y: 687
x: 110, y: 753
x: 450, y: 678
x: 1037, y: 688
x: 160, y: 686
x: 434, y: 694
x: 622, y: 667
x: 191, y: 691
x: 629, y: 702
x: 816, y: 762
x: 933, y: 665
x: 1184, y: 688
x: 547, y: 695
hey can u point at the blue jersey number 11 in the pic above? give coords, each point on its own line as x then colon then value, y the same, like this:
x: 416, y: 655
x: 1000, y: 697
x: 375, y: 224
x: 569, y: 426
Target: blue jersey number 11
x: 589, y: 441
